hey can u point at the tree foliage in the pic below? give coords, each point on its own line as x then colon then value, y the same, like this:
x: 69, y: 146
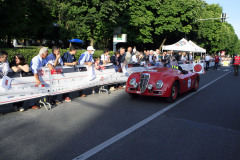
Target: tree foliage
x: 215, y: 35
x: 144, y: 21
x: 87, y: 20
x: 23, y: 19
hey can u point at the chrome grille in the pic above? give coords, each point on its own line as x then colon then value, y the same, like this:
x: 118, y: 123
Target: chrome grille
x: 144, y: 81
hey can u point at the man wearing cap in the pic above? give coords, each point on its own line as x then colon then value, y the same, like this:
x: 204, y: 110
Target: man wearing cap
x: 86, y: 58
x: 38, y: 62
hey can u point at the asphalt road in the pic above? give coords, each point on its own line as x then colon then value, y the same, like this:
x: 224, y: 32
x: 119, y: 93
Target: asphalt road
x: 200, y: 125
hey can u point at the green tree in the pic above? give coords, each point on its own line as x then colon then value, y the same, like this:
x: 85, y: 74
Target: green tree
x: 88, y: 20
x: 160, y: 18
x: 213, y: 34
x: 24, y: 19
x: 209, y: 31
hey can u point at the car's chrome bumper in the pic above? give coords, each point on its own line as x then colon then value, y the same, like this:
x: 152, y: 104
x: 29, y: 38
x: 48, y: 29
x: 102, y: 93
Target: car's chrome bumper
x: 147, y: 92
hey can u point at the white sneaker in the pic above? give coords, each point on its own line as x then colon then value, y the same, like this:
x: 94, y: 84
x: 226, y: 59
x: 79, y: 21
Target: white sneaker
x: 21, y: 109
x: 112, y: 89
x: 93, y: 92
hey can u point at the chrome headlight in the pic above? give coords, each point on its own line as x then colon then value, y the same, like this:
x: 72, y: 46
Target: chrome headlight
x: 150, y: 86
x: 132, y: 81
x: 159, y: 84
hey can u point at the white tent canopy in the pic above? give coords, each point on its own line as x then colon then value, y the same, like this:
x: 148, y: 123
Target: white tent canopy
x: 184, y: 46
x: 197, y: 48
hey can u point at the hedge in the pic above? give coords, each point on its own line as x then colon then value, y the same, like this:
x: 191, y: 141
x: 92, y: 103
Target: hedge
x: 29, y: 53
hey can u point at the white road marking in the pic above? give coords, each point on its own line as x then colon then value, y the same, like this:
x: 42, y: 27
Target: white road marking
x: 121, y: 135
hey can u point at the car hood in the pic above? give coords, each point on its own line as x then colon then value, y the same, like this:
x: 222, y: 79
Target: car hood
x: 160, y: 72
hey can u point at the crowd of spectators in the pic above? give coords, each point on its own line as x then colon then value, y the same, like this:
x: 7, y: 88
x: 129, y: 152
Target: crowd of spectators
x: 149, y: 56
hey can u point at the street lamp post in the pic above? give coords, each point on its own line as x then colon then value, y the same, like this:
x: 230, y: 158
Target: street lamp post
x: 223, y: 18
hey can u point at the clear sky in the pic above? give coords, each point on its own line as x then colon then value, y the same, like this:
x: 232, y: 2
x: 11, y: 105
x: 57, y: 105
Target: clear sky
x: 232, y: 9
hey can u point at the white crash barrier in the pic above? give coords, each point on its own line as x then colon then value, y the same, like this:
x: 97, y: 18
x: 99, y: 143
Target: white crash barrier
x: 187, y: 67
x: 61, y: 80
x: 211, y: 64
x: 190, y: 67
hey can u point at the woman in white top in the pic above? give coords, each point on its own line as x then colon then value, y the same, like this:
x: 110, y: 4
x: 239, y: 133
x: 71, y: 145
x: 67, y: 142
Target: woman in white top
x: 105, y: 56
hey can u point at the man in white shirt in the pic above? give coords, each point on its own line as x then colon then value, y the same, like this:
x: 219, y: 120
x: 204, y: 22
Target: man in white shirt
x: 4, y: 65
x: 207, y: 59
x: 87, y: 59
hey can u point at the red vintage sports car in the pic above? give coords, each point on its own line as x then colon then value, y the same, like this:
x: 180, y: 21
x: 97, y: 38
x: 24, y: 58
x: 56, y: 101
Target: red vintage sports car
x: 162, y: 82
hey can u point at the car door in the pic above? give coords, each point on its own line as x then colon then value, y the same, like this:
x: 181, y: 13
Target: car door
x: 186, y: 82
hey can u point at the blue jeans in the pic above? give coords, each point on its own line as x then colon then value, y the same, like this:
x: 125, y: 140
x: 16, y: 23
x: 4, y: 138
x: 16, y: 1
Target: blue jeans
x: 116, y: 67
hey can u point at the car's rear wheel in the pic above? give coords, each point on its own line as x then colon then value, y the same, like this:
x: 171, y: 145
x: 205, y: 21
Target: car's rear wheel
x: 133, y: 95
x: 196, y: 85
x: 174, y: 93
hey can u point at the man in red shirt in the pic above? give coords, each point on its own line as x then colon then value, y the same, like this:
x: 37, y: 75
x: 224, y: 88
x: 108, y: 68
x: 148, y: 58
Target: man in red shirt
x: 216, y: 59
x: 236, y: 62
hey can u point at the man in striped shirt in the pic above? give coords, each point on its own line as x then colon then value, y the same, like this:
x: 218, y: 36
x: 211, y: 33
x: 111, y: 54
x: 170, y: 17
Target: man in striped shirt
x: 87, y: 57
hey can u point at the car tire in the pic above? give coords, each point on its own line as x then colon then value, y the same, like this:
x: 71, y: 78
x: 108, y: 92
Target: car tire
x: 196, y: 85
x: 174, y: 93
x: 133, y: 95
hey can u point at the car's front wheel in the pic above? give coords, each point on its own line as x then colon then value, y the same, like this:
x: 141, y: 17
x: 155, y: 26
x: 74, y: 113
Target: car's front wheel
x: 133, y: 95
x: 174, y: 93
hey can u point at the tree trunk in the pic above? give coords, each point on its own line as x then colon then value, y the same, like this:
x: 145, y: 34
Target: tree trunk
x: 92, y: 42
x: 24, y: 43
x: 164, y: 40
x: 9, y: 41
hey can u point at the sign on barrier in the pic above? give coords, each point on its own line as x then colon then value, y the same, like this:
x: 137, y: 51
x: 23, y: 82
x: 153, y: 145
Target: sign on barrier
x: 225, y: 63
x: 198, y: 68
x: 6, y: 82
